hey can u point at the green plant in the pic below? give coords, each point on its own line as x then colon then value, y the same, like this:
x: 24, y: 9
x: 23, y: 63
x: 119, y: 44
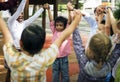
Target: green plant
x: 117, y: 11
x: 80, y: 5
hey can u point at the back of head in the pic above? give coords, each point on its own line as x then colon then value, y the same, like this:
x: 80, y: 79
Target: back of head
x: 61, y: 19
x: 33, y: 38
x: 100, y: 45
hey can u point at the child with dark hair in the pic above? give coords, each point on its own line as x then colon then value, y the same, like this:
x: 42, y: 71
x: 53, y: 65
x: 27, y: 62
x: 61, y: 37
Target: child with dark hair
x: 94, y: 61
x: 60, y: 66
x: 31, y: 63
x: 16, y: 22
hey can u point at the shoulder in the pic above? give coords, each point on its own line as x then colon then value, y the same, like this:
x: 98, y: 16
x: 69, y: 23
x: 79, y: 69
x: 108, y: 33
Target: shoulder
x: 9, y: 49
x: 53, y: 49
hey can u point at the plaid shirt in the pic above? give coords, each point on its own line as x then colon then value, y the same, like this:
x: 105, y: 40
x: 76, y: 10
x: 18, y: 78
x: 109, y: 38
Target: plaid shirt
x: 25, y: 68
x: 82, y: 60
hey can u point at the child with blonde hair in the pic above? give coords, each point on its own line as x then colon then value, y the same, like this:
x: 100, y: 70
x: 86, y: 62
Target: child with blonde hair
x: 94, y: 61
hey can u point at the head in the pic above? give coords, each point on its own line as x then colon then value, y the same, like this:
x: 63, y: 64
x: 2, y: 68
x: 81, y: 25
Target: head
x: 99, y: 10
x: 32, y: 39
x: 99, y: 47
x: 60, y: 23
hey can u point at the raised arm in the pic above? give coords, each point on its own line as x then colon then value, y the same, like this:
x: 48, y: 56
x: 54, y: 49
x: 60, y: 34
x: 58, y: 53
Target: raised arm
x: 113, y: 21
x: 91, y: 21
x: 107, y: 25
x: 78, y: 48
x: 70, y: 9
x: 17, y: 13
x: 47, y: 6
x: 5, y: 31
x: 114, y: 55
x: 66, y: 33
x: 34, y: 17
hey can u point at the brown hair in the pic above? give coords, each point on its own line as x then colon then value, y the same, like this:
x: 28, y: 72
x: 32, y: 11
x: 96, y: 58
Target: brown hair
x: 100, y: 46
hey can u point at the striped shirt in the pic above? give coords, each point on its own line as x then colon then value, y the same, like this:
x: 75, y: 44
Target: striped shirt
x: 25, y: 68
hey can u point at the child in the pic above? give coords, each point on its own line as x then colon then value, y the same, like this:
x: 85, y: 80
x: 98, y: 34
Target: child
x: 60, y: 66
x: 93, y: 62
x: 31, y: 63
x: 94, y: 23
x: 115, y: 40
x: 16, y: 22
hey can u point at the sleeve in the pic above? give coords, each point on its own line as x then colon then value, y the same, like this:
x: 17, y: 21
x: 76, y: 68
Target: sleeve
x: 90, y: 20
x: 114, y: 55
x: 9, y: 53
x: 52, y: 26
x: 17, y: 13
x: 79, y: 50
x: 34, y: 17
x: 49, y: 55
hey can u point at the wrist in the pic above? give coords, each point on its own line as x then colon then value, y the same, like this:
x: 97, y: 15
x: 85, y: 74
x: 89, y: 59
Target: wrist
x: 71, y: 9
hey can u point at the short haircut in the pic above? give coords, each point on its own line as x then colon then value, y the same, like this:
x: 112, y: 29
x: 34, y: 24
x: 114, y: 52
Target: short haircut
x: 33, y: 38
x: 61, y: 19
x: 100, y: 45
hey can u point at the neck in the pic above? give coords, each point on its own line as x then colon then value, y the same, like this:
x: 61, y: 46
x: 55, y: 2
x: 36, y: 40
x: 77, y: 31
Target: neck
x: 27, y: 53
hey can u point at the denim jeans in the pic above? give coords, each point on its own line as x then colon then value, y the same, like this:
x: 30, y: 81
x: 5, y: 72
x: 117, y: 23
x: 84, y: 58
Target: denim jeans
x: 60, y: 71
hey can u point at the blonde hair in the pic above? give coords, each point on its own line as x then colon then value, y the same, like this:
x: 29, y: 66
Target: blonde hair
x: 100, y: 46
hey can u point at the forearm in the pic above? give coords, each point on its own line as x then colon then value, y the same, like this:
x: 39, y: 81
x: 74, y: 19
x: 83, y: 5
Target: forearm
x: 114, y: 55
x: 78, y: 48
x: 107, y: 25
x: 113, y: 21
x: 34, y: 17
x: 69, y: 17
x: 50, y: 15
x: 90, y: 20
x: 5, y: 31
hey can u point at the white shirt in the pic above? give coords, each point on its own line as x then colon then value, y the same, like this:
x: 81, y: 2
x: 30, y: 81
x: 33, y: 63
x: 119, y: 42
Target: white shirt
x: 93, y: 27
x: 16, y: 28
